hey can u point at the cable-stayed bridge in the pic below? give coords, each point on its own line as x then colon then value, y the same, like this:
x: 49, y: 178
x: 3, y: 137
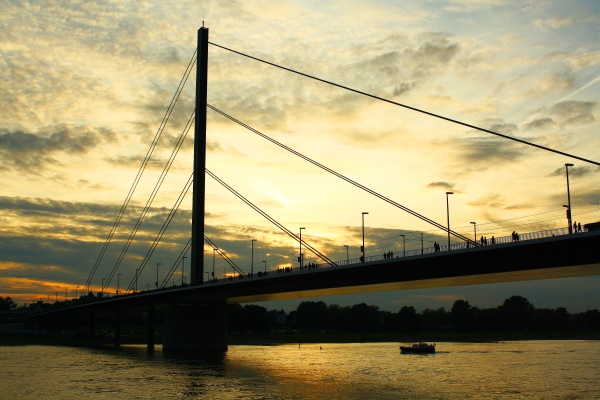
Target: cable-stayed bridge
x: 195, y: 312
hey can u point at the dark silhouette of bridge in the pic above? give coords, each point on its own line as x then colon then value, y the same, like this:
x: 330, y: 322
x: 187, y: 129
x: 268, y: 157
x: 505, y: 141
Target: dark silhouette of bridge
x: 195, y: 314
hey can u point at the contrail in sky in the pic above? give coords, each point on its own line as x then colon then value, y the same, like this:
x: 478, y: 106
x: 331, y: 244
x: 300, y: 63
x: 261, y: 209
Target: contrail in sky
x: 580, y: 89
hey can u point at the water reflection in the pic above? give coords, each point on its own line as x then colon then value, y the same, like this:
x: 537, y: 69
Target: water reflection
x: 337, y: 371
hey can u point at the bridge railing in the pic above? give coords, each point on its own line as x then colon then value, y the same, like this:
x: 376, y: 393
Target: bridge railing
x: 453, y: 246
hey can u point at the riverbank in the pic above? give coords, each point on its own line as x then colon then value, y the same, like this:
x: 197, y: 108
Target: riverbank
x: 472, y: 337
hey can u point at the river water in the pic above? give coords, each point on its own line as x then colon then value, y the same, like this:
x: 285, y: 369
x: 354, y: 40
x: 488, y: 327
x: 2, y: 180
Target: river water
x: 505, y: 370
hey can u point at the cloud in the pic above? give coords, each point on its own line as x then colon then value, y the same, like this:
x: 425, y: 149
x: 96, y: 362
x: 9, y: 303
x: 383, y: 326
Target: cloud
x: 574, y: 112
x: 440, y: 185
x: 574, y: 172
x: 552, y: 23
x: 28, y: 151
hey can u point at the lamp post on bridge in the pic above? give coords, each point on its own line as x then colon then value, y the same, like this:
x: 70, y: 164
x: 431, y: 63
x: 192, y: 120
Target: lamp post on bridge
x: 157, y: 264
x: 448, y: 216
x: 213, y: 271
x: 403, y: 245
x: 475, y: 231
x: 102, y: 291
x: 182, y: 269
x: 76, y: 289
x: 136, y: 278
x: 300, y: 255
x: 569, y: 214
x: 265, y: 266
x: 252, y: 259
x: 347, y: 255
x: 118, y: 279
x: 362, y: 248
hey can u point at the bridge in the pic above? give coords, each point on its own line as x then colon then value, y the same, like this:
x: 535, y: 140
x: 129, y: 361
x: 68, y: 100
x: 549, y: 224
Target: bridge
x: 195, y: 314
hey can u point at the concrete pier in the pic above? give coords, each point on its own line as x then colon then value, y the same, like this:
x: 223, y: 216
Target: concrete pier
x: 195, y: 329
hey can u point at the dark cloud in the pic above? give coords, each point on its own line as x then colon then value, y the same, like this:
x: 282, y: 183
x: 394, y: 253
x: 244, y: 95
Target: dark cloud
x: 573, y: 112
x: 27, y: 151
x: 574, y: 172
x: 440, y: 185
x: 487, y: 151
x: 539, y: 124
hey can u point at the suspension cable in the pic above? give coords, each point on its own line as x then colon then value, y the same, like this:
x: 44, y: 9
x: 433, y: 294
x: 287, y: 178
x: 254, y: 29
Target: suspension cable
x: 157, y: 186
x: 431, y: 114
x: 273, y: 221
x: 164, y: 227
x: 140, y: 172
x: 366, y: 189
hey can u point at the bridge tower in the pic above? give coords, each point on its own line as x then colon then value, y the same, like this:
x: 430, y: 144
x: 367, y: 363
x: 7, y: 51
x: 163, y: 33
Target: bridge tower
x: 199, y: 188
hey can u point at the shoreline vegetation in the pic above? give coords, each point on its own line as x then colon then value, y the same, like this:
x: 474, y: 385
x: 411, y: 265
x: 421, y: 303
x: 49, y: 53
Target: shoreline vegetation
x: 314, y: 338
x: 317, y: 322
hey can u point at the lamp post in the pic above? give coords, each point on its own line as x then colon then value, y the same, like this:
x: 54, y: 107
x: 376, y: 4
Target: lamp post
x: 213, y: 271
x: 347, y: 255
x: 157, y: 264
x: 252, y: 259
x: 76, y: 289
x: 182, y: 268
x: 136, y: 277
x: 475, y: 231
x: 118, y: 279
x: 362, y: 249
x: 300, y: 255
x: 569, y: 214
x: 102, y: 292
x: 403, y: 245
x: 448, y: 216
x: 265, y: 265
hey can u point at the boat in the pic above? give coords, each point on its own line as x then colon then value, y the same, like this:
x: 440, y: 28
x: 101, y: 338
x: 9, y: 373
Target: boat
x: 418, y: 348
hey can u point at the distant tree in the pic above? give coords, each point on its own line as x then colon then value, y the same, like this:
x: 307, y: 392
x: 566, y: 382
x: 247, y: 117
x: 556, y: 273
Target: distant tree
x: 516, y: 313
x: 408, y: 319
x: 365, y: 317
x: 312, y: 315
x: 463, y: 315
x: 340, y: 318
x: 6, y: 303
x: 588, y: 320
x: 256, y: 318
x: 432, y: 320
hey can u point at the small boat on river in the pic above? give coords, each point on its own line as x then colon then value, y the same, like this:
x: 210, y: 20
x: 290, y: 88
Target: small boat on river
x: 418, y: 348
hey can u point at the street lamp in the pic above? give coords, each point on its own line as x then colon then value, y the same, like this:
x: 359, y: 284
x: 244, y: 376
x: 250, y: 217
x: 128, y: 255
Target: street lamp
x: 363, y: 234
x: 265, y: 265
x: 300, y: 256
x: 252, y: 259
x: 102, y: 292
x: 157, y: 264
x: 118, y: 279
x: 448, y: 216
x: 347, y: 255
x: 403, y: 245
x: 475, y: 231
x: 569, y: 213
x: 213, y: 271
x: 136, y: 277
x: 182, y: 268
x: 76, y: 289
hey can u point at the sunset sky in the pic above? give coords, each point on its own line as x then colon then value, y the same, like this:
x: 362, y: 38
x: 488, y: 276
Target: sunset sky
x: 85, y: 86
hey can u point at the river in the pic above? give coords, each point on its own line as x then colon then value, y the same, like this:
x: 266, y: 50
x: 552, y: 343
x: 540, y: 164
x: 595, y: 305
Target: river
x: 504, y: 370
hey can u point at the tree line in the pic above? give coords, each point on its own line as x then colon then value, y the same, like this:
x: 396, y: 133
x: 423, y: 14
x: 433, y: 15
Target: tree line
x: 514, y: 314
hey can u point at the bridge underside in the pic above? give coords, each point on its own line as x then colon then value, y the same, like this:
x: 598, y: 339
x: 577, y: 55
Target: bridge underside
x: 513, y: 276
x: 556, y: 257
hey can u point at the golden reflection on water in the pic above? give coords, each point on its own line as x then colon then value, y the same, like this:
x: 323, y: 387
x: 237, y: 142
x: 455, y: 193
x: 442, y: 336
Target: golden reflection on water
x: 506, y: 370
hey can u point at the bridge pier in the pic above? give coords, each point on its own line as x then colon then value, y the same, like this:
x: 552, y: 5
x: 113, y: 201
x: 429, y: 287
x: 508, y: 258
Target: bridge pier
x: 118, y: 321
x: 195, y: 329
x: 150, y: 329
